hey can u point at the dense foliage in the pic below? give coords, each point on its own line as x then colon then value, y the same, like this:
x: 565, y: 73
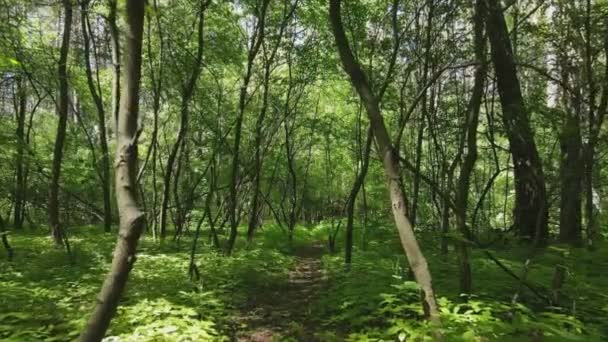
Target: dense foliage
x: 256, y: 143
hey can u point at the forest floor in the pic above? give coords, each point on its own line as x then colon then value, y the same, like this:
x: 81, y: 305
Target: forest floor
x: 270, y: 292
x: 286, y: 308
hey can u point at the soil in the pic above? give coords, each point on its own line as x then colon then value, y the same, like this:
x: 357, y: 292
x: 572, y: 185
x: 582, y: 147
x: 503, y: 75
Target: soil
x: 284, y: 312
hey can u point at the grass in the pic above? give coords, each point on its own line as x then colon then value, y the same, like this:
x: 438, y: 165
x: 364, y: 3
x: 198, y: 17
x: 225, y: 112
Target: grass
x: 43, y: 297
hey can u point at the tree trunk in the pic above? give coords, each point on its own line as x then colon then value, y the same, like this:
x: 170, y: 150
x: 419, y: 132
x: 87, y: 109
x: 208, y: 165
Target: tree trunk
x: 466, y: 169
x: 189, y: 88
x: 571, y: 168
x: 591, y: 172
x: 101, y: 118
x: 132, y: 219
x: 20, y: 185
x: 390, y: 161
x: 352, y: 198
x: 571, y: 173
x: 62, y: 113
x: 256, y: 43
x: 531, y: 207
x: 115, y: 41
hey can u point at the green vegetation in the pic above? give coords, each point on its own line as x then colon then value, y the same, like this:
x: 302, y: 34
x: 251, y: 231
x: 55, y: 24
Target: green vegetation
x: 303, y: 170
x: 44, y: 298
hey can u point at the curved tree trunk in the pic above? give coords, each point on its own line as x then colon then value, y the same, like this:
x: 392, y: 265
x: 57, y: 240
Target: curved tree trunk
x: 132, y: 219
x: 390, y: 162
x: 62, y: 113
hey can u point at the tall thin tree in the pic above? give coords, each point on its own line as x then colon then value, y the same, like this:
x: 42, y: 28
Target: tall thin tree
x: 132, y: 219
x: 62, y: 113
x: 390, y: 162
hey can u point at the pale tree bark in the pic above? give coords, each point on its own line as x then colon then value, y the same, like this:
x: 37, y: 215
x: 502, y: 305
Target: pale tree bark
x: 390, y: 162
x: 132, y: 219
x: 115, y: 41
x: 101, y: 118
x: 62, y: 113
x: 531, y: 207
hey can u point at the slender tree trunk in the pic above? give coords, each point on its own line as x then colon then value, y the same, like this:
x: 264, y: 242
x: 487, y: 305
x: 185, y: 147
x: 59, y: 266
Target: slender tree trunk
x: 424, y: 114
x: 470, y: 158
x: 62, y: 113
x: 418, y: 161
x: 255, y: 202
x: 591, y: 172
x: 132, y: 219
x: 188, y: 91
x: 20, y: 185
x: 390, y: 161
x: 256, y: 42
x: 571, y: 173
x: 352, y: 198
x: 531, y: 207
x: 101, y: 120
x: 115, y: 41
x: 156, y: 78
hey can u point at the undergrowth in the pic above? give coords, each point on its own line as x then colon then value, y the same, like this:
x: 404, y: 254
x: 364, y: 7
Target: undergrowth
x: 46, y: 297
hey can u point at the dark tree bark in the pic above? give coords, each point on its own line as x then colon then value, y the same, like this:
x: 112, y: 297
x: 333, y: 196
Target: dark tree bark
x: 254, y: 216
x: 470, y: 157
x: 5, y: 243
x: 352, y: 198
x: 62, y: 112
x: 571, y: 162
x: 424, y: 114
x: 187, y: 93
x: 101, y: 119
x: 156, y: 78
x: 531, y: 207
x: 390, y: 162
x: 255, y: 44
x: 20, y: 174
x: 596, y: 120
x: 132, y: 219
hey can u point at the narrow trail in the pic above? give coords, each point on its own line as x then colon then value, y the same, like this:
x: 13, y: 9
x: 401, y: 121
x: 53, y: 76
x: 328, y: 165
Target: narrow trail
x: 284, y: 312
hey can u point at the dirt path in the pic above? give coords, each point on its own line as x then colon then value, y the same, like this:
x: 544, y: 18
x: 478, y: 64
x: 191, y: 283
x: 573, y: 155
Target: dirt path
x: 284, y: 312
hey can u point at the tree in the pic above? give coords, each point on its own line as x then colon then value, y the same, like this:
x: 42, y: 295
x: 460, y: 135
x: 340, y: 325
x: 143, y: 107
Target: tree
x: 189, y: 87
x: 101, y: 116
x: 470, y: 144
x: 62, y: 113
x: 390, y: 162
x: 531, y: 206
x: 132, y: 219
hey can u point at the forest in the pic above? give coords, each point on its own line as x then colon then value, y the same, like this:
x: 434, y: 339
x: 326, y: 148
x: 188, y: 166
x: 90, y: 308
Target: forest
x: 303, y: 170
